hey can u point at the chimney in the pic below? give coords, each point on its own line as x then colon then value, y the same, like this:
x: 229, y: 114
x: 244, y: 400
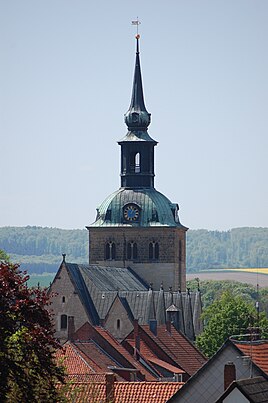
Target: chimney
x: 229, y: 374
x: 71, y: 329
x: 109, y: 388
x: 136, y: 337
x: 168, y: 326
x: 153, y: 326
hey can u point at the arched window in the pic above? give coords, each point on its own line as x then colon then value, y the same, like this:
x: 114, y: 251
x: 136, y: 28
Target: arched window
x: 153, y: 251
x: 129, y: 251
x: 118, y: 324
x: 107, y: 251
x: 156, y: 250
x: 63, y: 322
x: 113, y: 251
x: 132, y: 251
x: 110, y: 251
x: 137, y: 163
x: 63, y: 299
x: 135, y: 251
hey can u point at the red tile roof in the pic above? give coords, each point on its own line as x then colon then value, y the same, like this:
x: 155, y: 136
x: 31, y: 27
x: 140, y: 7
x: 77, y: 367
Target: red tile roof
x: 178, y: 347
x: 145, y: 392
x: 125, y: 392
x: 148, y: 354
x: 74, y: 361
x: 93, y: 378
x: 257, y: 350
x: 164, y: 364
x: 88, y: 331
x: 94, y: 353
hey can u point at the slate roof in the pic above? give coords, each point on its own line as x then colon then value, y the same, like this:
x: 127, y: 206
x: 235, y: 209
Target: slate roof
x: 98, y: 287
x: 125, y: 392
x: 156, y: 209
x: 257, y: 350
x: 254, y: 389
x: 107, y: 278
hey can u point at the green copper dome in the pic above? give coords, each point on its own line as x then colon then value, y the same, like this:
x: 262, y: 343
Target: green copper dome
x: 137, y: 207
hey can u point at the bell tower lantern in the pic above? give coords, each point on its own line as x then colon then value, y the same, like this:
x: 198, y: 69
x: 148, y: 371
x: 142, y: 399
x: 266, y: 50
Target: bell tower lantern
x: 137, y: 147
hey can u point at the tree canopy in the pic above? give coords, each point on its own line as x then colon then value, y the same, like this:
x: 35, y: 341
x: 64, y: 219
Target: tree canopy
x: 3, y: 256
x: 28, y: 372
x: 227, y: 316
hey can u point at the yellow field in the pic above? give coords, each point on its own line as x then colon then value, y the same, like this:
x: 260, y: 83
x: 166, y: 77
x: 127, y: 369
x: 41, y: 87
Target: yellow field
x: 260, y: 270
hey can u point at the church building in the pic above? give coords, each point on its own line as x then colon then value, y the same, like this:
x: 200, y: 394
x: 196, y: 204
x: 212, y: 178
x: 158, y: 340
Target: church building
x: 137, y: 256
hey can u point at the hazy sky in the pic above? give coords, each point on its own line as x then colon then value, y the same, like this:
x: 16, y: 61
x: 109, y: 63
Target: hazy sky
x: 65, y: 83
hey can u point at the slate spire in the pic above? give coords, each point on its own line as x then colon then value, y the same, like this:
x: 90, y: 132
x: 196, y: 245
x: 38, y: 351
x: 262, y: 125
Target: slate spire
x: 137, y: 117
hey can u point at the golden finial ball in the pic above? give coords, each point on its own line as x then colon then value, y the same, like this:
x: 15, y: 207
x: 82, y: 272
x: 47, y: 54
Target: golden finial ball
x: 137, y: 36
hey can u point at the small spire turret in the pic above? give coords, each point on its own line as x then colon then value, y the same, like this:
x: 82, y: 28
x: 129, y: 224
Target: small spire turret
x: 137, y: 117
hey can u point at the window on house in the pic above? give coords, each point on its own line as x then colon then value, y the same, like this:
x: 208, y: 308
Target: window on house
x: 132, y: 251
x: 153, y: 251
x: 63, y: 299
x: 110, y: 251
x: 118, y: 324
x: 63, y: 322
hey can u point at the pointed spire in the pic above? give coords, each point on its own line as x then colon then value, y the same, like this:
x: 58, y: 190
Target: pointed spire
x: 137, y: 117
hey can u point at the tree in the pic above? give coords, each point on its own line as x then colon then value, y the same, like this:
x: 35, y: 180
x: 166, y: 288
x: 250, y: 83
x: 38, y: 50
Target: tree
x: 3, y: 256
x: 229, y: 315
x: 28, y: 371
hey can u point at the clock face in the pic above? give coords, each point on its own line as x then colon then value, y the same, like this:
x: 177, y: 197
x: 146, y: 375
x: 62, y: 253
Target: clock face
x: 131, y: 213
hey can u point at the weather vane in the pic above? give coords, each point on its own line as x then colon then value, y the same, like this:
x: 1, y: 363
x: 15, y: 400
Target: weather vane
x: 137, y: 23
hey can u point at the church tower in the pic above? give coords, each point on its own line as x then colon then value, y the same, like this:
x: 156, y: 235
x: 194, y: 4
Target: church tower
x: 137, y: 226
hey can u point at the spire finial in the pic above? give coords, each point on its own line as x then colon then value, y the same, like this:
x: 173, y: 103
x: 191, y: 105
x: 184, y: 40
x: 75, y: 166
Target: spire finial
x: 138, y: 48
x: 137, y: 23
x: 137, y: 118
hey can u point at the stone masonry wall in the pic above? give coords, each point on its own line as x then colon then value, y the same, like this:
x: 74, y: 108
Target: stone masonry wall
x: 65, y: 301
x: 170, y: 268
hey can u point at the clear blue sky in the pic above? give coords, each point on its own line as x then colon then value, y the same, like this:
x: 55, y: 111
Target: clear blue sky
x: 65, y: 83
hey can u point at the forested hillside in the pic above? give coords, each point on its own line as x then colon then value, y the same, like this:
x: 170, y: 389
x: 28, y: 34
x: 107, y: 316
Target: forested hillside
x: 239, y: 247
x: 40, y: 249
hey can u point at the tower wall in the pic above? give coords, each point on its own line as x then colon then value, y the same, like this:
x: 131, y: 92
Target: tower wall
x: 169, y: 268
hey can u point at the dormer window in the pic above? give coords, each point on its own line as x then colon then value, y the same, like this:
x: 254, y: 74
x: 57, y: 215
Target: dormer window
x: 155, y: 215
x: 108, y: 215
